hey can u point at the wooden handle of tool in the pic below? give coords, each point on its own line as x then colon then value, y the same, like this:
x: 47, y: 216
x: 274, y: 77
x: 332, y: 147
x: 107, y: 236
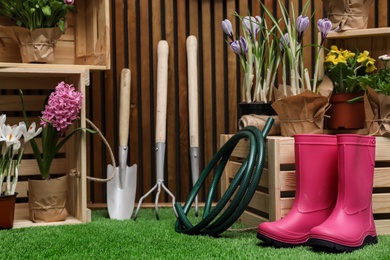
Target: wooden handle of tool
x: 192, y: 63
x: 162, y: 90
x: 124, y: 107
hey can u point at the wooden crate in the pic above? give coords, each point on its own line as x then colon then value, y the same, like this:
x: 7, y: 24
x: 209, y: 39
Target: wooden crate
x: 275, y: 194
x: 86, y: 41
x: 37, y: 84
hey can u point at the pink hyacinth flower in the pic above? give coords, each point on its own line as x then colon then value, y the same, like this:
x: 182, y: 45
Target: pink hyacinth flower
x: 62, y: 108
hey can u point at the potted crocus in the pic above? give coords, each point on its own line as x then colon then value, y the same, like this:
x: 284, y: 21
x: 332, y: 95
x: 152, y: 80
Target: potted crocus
x: 299, y: 102
x: 38, y: 26
x: 259, y: 58
x: 12, y: 143
x: 347, y: 70
x: 47, y: 197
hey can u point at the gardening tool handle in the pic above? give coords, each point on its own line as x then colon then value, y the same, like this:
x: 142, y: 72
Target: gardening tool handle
x: 124, y: 107
x: 192, y: 50
x: 162, y: 88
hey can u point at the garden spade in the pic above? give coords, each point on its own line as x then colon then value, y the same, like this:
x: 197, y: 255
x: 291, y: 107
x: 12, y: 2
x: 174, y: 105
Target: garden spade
x: 192, y: 50
x: 121, y: 189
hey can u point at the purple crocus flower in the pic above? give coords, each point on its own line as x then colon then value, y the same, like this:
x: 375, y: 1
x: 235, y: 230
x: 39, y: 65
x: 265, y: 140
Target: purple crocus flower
x: 227, y: 28
x: 251, y: 25
x: 324, y: 26
x: 239, y: 46
x: 69, y: 2
x: 302, y: 25
x: 284, y: 42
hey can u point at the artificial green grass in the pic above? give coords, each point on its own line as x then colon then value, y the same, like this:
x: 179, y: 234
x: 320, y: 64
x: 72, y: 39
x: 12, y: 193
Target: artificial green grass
x: 148, y: 238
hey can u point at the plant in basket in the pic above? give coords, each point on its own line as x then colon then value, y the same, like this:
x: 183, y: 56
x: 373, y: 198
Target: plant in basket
x: 258, y: 54
x: 349, y: 72
x: 377, y: 99
x: 47, y: 197
x: 299, y: 102
x: 38, y: 26
x: 12, y: 143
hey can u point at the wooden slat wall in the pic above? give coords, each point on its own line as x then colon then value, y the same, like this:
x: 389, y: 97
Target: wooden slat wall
x: 137, y: 26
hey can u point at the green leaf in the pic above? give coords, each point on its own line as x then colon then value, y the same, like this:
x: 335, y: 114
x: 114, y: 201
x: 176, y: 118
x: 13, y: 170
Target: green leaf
x: 46, y: 10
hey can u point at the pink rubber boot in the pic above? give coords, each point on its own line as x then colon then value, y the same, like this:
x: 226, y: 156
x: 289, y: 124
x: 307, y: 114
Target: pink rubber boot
x: 351, y: 224
x: 316, y: 192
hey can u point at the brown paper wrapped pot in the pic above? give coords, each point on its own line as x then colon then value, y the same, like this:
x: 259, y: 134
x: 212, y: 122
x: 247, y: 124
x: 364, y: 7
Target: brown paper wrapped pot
x: 348, y: 14
x: 377, y: 112
x: 47, y: 199
x: 35, y: 46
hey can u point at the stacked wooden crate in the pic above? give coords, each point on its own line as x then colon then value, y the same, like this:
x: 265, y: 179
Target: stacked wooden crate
x: 85, y: 46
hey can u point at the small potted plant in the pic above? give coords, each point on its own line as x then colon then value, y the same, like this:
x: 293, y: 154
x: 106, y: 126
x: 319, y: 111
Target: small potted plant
x: 377, y: 99
x: 299, y: 84
x: 12, y: 143
x: 38, y: 26
x: 259, y: 58
x: 61, y: 111
x: 347, y: 70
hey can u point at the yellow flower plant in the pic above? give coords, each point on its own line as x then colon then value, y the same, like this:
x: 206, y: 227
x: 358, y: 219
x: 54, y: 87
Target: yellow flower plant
x: 347, y: 69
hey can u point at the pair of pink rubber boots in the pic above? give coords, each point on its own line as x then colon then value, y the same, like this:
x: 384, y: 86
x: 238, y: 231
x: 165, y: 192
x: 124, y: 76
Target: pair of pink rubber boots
x: 332, y: 209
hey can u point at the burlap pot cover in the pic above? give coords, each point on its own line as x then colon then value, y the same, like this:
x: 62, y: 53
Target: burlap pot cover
x: 35, y: 46
x: 303, y: 113
x: 47, y: 199
x: 259, y: 121
x: 348, y: 14
x: 377, y: 111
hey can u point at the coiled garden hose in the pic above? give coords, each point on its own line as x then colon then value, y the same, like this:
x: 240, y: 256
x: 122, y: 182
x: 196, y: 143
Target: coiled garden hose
x: 244, y: 184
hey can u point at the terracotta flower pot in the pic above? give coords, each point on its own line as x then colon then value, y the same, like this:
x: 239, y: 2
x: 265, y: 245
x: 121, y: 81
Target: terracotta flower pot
x: 7, y: 206
x: 344, y: 115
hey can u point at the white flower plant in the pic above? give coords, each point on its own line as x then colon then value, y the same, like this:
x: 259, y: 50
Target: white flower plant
x: 290, y: 43
x: 12, y: 150
x: 258, y: 56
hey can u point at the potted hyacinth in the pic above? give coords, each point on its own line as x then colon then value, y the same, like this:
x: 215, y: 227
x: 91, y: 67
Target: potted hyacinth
x: 258, y: 54
x: 62, y: 109
x: 12, y: 143
x: 38, y: 26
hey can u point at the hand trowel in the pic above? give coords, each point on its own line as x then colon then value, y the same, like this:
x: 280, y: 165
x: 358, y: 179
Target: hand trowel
x: 121, y: 189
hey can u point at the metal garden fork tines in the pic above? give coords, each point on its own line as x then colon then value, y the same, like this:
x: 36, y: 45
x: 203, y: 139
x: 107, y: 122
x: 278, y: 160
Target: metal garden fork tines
x: 161, y: 117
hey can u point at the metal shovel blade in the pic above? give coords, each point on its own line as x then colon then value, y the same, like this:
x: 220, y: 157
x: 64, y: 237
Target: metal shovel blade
x: 121, y: 189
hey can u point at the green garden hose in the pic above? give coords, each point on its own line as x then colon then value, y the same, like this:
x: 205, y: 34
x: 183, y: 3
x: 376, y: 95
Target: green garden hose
x: 244, y: 184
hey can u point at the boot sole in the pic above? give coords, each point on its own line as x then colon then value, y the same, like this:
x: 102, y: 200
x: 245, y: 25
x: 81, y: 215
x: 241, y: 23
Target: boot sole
x: 275, y: 243
x: 325, y: 245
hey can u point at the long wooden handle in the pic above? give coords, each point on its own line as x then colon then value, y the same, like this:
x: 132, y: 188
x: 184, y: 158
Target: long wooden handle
x: 192, y: 61
x: 124, y: 107
x: 162, y: 90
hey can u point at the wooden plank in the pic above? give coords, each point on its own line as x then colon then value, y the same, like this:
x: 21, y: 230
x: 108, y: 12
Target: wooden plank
x: 22, y: 218
x: 260, y: 201
x: 287, y: 180
x: 382, y: 226
x: 251, y: 220
x: 381, y: 203
x: 381, y: 177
